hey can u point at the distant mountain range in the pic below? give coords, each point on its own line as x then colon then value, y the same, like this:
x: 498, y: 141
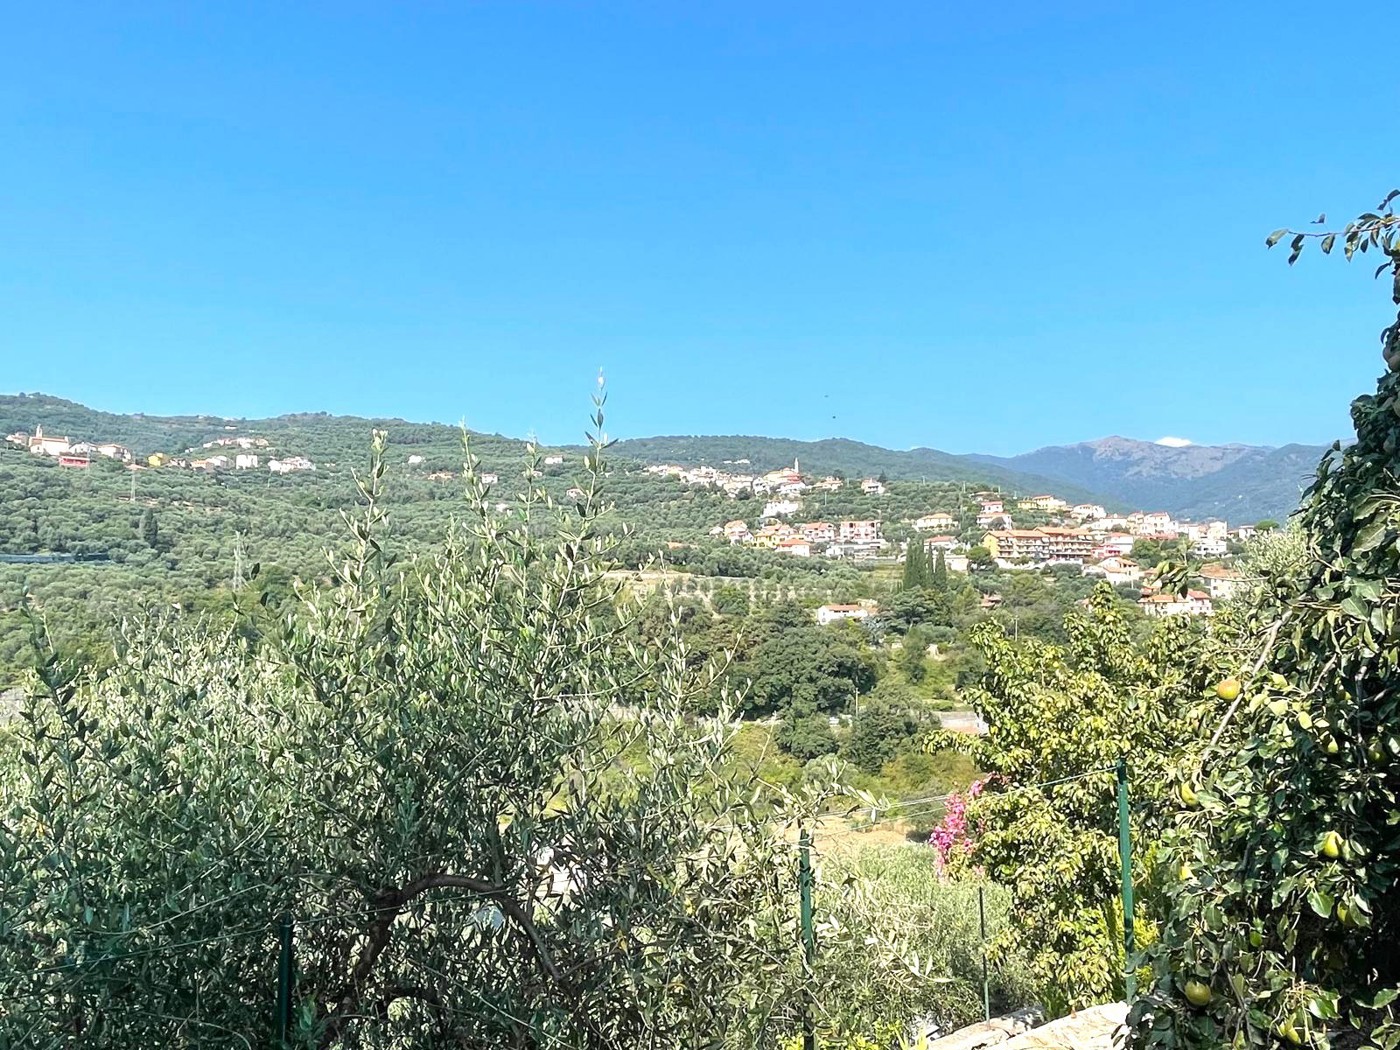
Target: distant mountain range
x: 854, y: 459
x: 1240, y: 483
x: 1235, y: 482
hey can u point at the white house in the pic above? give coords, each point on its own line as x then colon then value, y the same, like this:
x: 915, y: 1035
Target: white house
x: 1116, y: 570
x: 1157, y: 523
x: 939, y: 521
x: 414, y: 460
x: 780, y: 508
x: 867, y: 531
x: 1209, y: 548
x: 1048, y: 503
x: 1087, y: 512
x: 831, y: 613
x: 872, y: 487
x: 1222, y: 582
x: 794, y: 545
x: 553, y: 461
x: 290, y: 464
x: 245, y: 461
x: 47, y: 446
x: 1194, y: 603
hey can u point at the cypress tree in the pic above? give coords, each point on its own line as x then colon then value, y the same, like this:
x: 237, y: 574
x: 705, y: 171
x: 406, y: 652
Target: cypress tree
x: 150, y: 528
x: 916, y: 566
x: 940, y: 572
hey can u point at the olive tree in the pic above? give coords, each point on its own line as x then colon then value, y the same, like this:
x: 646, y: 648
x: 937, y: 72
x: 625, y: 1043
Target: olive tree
x: 479, y: 799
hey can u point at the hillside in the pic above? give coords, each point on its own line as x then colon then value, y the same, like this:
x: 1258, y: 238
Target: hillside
x: 851, y: 458
x: 1235, y: 482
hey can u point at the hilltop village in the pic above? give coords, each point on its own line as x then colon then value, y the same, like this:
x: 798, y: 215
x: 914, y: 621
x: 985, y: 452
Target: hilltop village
x: 229, y: 453
x: 986, y: 529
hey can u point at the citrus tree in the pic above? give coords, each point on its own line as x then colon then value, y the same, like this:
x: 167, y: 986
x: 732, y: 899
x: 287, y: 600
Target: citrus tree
x: 1281, y: 912
x: 440, y: 772
x: 1045, y: 824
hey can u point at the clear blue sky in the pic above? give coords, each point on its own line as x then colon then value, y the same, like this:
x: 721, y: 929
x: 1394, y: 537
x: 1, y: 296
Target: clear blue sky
x: 972, y: 226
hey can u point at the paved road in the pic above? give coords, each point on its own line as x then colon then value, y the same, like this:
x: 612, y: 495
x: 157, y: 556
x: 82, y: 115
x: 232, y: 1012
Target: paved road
x: 962, y: 722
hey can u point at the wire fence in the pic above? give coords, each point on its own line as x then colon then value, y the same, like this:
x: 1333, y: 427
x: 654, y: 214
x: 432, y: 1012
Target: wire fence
x: 278, y: 931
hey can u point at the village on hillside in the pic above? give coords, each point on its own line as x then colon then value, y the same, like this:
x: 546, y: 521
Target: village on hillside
x: 982, y: 532
x: 77, y: 455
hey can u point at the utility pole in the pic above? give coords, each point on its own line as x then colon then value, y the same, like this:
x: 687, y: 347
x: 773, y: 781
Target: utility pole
x: 238, y: 579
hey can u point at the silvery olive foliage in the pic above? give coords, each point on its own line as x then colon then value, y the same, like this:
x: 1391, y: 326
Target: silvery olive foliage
x: 1280, y: 869
x: 482, y: 803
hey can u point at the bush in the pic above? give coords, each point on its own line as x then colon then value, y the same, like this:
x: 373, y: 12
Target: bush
x: 898, y: 942
x: 426, y: 770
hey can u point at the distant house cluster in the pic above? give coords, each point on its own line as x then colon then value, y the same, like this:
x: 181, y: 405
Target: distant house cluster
x: 842, y: 539
x: 75, y: 454
x: 78, y: 454
x: 1082, y: 534
x: 784, y: 482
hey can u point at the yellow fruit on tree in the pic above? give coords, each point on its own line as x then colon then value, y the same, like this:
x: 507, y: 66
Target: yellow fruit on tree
x: 1188, y: 796
x: 1228, y: 689
x: 1331, y: 845
x: 1198, y: 993
x: 1184, y: 873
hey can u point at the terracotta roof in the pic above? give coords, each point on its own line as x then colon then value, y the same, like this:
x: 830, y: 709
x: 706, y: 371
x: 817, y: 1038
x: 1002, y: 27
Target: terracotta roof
x: 1220, y: 572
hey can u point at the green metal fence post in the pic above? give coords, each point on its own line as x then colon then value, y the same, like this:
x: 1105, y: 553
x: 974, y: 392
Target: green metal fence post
x: 982, y: 922
x: 809, y: 936
x: 1125, y: 855
x: 285, y: 975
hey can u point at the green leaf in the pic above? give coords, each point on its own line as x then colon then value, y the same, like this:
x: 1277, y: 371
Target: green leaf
x: 1354, y: 608
x: 1382, y: 999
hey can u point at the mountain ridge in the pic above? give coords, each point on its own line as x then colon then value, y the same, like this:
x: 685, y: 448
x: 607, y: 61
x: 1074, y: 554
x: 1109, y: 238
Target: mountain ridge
x: 1236, y: 481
